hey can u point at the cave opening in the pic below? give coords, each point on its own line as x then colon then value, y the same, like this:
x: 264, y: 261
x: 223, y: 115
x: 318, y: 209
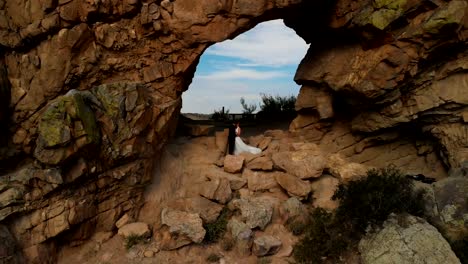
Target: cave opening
x: 257, y: 67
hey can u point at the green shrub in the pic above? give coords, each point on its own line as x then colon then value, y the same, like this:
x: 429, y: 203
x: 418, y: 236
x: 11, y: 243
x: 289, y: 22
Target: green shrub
x: 371, y: 199
x: 213, y: 258
x: 460, y: 247
x: 133, y: 240
x: 216, y: 230
x: 324, y: 238
x: 363, y: 202
x: 297, y: 225
x: 277, y: 106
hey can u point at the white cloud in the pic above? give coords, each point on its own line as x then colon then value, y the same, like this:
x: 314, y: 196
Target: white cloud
x: 268, y: 44
x: 243, y: 74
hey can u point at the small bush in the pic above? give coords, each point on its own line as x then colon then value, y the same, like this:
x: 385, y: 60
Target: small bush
x: 277, y: 106
x: 216, y: 230
x: 296, y: 225
x: 460, y: 247
x: 213, y: 258
x: 324, y: 239
x: 133, y: 240
x: 371, y: 199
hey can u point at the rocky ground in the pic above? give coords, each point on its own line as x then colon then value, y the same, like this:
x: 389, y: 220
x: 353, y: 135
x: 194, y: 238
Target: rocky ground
x: 195, y: 180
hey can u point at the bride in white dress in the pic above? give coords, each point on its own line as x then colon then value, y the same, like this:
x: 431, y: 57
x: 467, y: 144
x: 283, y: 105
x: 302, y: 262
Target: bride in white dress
x: 240, y: 146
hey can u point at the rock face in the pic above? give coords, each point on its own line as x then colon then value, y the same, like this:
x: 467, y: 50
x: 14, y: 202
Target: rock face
x: 406, y: 239
x: 92, y: 92
x: 447, y: 206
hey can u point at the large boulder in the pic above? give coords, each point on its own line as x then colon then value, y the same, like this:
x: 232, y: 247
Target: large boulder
x: 255, y: 212
x: 305, y: 163
x: 406, y: 239
x: 183, y: 224
x: 206, y: 209
x: 263, y: 163
x: 242, y: 234
x: 233, y: 163
x: 293, y: 185
x: 344, y: 170
x: 291, y: 208
x: 217, y: 189
x: 257, y: 181
x: 139, y: 229
x: 214, y: 173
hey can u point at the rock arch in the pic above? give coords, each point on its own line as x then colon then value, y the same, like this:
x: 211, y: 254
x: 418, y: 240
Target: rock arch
x: 96, y: 86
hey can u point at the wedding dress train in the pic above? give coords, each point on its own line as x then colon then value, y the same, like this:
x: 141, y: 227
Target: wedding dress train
x: 240, y: 147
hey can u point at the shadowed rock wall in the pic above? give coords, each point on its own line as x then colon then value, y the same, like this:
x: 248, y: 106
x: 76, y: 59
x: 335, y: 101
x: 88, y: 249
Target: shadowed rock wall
x: 96, y: 92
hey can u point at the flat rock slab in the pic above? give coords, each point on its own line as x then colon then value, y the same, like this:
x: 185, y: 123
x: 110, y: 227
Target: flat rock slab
x: 137, y: 229
x: 233, y: 163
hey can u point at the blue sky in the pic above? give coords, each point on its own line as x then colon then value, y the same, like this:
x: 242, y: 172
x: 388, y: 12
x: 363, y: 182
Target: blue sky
x: 262, y: 60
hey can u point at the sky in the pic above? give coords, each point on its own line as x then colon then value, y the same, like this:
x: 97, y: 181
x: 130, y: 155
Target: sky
x: 261, y: 60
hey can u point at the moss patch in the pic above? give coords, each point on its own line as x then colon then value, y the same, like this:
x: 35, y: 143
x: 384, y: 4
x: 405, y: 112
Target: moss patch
x: 452, y: 14
x: 86, y: 115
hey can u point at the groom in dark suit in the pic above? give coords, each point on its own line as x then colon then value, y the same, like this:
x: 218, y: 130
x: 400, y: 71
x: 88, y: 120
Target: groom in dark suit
x: 231, y: 138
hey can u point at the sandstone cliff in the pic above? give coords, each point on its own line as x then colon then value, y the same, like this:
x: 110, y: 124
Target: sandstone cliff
x: 95, y: 88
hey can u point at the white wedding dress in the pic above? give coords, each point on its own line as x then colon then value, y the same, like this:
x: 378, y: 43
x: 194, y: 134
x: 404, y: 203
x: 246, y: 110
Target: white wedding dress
x: 240, y: 146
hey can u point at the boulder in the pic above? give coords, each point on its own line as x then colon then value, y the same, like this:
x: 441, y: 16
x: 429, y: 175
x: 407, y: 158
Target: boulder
x: 406, y: 239
x: 260, y: 163
x: 217, y: 189
x: 255, y: 212
x: 235, y: 181
x: 345, y: 171
x: 291, y: 208
x: 183, y: 224
x: 293, y: 185
x: 303, y: 163
x: 136, y: 229
x: 257, y: 181
x: 264, y: 143
x: 323, y: 189
x: 233, y: 163
x: 206, y: 209
x: 242, y: 234
x: 248, y: 157
x: 125, y: 219
x: 266, y: 245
